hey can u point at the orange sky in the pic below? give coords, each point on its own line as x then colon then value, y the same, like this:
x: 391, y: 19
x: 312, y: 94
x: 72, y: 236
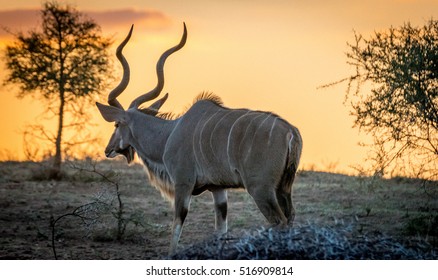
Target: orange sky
x: 265, y: 55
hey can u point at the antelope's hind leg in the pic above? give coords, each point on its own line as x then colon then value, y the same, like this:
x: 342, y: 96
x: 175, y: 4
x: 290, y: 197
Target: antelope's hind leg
x: 284, y: 196
x: 284, y: 199
x: 266, y: 200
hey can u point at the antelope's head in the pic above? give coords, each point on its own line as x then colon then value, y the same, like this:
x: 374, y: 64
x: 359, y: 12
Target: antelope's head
x: 121, y: 140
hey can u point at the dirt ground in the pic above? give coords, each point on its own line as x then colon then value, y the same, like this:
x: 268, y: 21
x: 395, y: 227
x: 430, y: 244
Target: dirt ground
x: 31, y: 207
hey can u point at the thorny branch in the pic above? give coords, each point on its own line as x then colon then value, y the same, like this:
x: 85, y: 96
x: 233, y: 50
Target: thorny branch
x: 89, y: 212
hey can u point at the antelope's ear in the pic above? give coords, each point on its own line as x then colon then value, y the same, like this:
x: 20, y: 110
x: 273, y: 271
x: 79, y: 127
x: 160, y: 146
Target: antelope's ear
x: 157, y: 104
x: 110, y: 113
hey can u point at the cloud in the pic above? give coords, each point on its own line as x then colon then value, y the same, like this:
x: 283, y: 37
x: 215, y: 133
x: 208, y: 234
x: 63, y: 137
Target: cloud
x: 17, y: 20
x: 149, y: 18
x: 24, y: 19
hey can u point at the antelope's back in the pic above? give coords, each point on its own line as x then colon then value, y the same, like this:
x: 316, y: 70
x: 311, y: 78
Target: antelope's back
x: 233, y: 147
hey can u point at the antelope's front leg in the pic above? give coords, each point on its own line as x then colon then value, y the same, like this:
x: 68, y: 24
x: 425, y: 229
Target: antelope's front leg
x: 183, y: 196
x: 220, y: 199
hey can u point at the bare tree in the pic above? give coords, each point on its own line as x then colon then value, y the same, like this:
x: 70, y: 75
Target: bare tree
x: 65, y: 63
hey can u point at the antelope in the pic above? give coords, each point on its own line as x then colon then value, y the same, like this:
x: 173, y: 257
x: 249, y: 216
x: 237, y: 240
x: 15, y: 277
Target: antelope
x: 208, y: 148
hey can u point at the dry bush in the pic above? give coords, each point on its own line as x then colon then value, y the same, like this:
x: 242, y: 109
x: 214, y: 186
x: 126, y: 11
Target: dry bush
x: 307, y: 242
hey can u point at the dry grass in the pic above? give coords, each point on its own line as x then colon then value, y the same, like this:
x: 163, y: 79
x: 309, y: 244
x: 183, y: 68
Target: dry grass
x: 403, y: 211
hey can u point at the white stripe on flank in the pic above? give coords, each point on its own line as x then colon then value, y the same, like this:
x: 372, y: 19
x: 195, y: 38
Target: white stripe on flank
x: 229, y: 137
x: 214, y: 129
x: 261, y: 124
x: 246, y: 129
x: 194, y: 146
x: 252, y: 142
x: 201, y: 149
x: 272, y: 129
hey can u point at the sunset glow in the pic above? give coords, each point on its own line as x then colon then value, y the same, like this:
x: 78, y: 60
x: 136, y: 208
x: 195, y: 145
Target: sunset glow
x: 262, y: 55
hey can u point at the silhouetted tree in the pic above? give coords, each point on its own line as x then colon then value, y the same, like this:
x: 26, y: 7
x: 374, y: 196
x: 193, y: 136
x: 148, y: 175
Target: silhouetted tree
x: 399, y: 104
x: 64, y: 63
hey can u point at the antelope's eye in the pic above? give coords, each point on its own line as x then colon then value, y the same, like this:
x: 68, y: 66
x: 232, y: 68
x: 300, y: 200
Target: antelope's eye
x: 116, y: 125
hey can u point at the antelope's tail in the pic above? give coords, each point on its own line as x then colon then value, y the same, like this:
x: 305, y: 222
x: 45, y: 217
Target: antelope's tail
x: 292, y: 160
x: 295, y: 149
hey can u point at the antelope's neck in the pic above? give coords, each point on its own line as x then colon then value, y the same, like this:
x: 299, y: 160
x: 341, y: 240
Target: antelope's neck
x: 150, y: 136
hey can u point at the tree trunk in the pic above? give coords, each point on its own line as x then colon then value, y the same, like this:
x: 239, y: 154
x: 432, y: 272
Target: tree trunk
x: 56, y: 168
x: 55, y: 172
